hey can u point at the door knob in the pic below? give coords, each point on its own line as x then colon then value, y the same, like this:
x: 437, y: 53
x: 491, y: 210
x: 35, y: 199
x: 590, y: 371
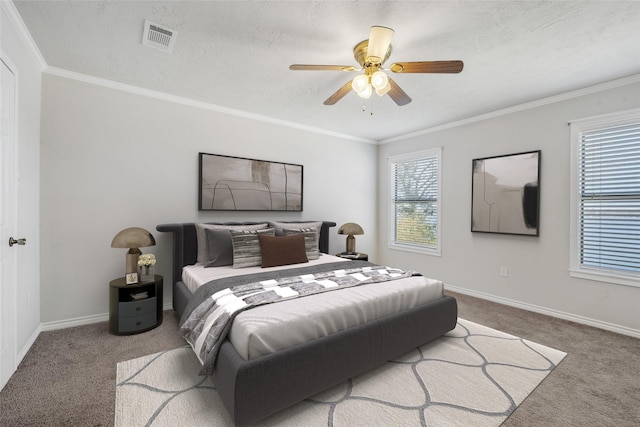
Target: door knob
x: 13, y: 241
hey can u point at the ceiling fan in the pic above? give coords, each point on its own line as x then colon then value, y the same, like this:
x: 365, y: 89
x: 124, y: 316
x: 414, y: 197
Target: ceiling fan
x: 371, y: 54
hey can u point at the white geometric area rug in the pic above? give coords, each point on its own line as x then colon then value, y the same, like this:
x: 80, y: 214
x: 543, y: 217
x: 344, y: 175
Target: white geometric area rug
x: 472, y: 376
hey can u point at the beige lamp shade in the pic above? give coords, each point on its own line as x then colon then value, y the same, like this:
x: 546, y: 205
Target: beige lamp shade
x: 133, y: 238
x: 350, y: 229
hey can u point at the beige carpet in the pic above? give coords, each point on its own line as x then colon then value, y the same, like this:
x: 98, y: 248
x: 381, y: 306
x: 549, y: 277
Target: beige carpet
x: 474, y: 375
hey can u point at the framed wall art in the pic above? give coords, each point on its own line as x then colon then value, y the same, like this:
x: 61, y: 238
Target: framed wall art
x: 238, y: 184
x: 505, y: 195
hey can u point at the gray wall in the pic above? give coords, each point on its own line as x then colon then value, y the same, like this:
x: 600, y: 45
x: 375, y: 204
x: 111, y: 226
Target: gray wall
x: 113, y: 159
x: 538, y: 267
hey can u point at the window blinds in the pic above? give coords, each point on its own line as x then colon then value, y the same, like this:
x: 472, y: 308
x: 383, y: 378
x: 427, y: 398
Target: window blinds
x: 415, y: 201
x: 609, y: 198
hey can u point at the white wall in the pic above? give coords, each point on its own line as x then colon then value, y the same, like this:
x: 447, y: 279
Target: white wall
x: 538, y: 276
x: 113, y: 159
x: 28, y: 68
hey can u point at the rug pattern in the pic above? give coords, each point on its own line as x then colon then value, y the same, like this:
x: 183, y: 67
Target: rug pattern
x: 473, y: 375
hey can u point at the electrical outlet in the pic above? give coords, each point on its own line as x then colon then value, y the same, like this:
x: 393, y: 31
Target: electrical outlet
x: 504, y: 272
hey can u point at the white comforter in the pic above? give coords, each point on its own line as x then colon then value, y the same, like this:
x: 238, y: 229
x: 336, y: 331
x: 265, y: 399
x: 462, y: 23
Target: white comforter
x: 269, y: 328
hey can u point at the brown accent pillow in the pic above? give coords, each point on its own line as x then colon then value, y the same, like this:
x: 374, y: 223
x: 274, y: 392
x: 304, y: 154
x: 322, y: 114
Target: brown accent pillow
x: 282, y: 250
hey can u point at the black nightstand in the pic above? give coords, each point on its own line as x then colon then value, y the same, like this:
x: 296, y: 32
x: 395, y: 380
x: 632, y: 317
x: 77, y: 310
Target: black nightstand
x: 134, y: 308
x: 357, y: 256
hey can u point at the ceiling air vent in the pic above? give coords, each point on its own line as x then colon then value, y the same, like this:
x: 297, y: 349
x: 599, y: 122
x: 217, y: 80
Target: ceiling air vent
x: 158, y: 37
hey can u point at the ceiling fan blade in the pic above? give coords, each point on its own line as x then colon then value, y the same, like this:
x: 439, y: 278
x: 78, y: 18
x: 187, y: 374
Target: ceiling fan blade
x: 379, y: 41
x: 427, y: 67
x: 306, y: 67
x: 339, y: 94
x: 398, y: 95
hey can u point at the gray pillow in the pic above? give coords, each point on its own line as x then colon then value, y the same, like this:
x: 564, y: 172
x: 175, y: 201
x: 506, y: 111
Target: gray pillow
x: 201, y: 238
x: 219, y: 248
x: 280, y: 226
x: 310, y: 240
x: 246, y: 247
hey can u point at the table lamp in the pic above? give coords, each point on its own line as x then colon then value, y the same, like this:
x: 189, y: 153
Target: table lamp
x: 350, y: 229
x: 133, y: 238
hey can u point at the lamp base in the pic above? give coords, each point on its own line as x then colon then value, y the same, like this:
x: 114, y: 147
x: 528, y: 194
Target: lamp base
x: 351, y: 244
x: 132, y: 260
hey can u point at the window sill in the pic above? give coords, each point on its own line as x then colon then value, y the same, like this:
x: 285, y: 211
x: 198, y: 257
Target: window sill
x: 608, y: 278
x: 415, y: 249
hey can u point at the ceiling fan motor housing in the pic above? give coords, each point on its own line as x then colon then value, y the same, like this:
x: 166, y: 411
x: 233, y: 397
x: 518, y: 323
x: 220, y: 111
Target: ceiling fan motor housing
x: 360, y: 53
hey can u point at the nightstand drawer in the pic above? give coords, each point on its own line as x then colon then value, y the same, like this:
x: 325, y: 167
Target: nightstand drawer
x: 135, y: 323
x: 137, y: 308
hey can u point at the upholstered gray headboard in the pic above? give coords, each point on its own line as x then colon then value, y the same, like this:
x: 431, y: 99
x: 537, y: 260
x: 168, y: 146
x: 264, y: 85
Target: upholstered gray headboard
x: 185, y: 244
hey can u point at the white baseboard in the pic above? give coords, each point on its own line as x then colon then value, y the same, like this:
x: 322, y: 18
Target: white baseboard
x: 23, y: 352
x: 77, y: 321
x: 547, y: 311
x: 81, y: 321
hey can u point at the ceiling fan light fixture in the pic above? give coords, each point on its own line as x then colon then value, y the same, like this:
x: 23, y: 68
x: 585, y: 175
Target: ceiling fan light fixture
x: 379, y: 80
x: 360, y: 83
x: 366, y: 92
x: 383, y: 91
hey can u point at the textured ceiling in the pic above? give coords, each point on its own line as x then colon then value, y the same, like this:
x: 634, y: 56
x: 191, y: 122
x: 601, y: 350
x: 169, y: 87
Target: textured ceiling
x: 235, y: 54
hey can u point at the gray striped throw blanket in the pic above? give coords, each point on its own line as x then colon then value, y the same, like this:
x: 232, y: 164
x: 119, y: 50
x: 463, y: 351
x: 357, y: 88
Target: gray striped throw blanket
x: 205, y: 325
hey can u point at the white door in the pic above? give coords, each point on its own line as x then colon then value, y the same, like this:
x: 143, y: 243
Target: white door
x: 8, y: 218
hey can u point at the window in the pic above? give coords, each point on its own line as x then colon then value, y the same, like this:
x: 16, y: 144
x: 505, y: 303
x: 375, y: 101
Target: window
x: 414, y: 208
x: 605, y: 218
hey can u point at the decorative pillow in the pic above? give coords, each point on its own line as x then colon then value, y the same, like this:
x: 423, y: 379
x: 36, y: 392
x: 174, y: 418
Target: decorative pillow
x: 310, y: 240
x: 219, y: 248
x: 201, y: 238
x: 282, y: 250
x: 246, y: 247
x: 280, y: 226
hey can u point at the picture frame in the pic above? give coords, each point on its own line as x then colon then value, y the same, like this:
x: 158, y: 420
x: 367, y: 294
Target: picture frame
x: 229, y: 183
x: 505, y: 194
x: 131, y: 278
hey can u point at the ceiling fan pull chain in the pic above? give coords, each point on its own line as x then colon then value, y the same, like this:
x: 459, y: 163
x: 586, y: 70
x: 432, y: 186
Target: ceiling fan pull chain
x: 364, y: 107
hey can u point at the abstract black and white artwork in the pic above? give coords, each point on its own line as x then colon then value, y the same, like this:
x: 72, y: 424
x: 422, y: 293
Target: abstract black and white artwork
x: 238, y: 184
x: 505, y: 195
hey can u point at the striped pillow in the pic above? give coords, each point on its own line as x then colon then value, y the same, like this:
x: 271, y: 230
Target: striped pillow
x: 310, y: 240
x: 246, y: 247
x: 201, y: 237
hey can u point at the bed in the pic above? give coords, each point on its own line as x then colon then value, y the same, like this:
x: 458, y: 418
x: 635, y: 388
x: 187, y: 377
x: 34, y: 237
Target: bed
x: 254, y: 386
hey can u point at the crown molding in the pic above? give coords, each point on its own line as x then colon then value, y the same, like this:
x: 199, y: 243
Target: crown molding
x: 635, y: 78
x: 9, y: 8
x: 193, y: 103
x: 14, y: 17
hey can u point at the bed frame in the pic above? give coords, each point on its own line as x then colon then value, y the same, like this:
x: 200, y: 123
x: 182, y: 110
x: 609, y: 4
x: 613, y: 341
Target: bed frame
x: 254, y: 389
